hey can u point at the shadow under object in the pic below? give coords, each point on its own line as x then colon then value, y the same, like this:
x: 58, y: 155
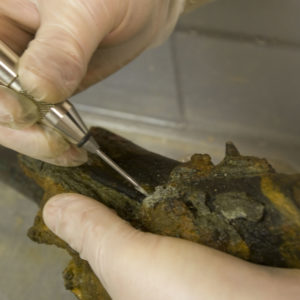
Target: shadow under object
x: 240, y: 206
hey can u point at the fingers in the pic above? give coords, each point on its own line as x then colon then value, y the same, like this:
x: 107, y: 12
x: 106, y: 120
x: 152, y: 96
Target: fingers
x: 44, y: 144
x: 93, y: 230
x: 130, y: 264
x: 83, y: 223
x: 56, y: 60
x: 148, y: 24
x: 108, y: 60
x: 136, y: 265
x: 16, y: 110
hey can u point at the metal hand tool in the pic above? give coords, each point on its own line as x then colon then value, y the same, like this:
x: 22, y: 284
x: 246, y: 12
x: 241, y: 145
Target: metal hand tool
x: 63, y: 117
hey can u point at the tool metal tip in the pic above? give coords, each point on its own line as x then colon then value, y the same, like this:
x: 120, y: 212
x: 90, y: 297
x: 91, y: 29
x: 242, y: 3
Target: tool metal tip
x: 142, y: 191
x: 124, y: 174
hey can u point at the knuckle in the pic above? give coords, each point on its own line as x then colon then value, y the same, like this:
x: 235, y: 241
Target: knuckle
x: 94, y: 9
x: 65, y: 54
x: 58, y: 60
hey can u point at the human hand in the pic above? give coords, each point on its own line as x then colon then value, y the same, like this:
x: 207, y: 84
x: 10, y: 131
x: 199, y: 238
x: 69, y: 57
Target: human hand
x: 135, y: 265
x: 71, y: 45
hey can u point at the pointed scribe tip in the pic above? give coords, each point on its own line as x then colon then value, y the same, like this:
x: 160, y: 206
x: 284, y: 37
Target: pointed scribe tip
x: 122, y: 172
x: 142, y: 191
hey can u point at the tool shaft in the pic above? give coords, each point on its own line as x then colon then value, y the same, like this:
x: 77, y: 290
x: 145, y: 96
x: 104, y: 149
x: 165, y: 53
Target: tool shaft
x: 63, y: 117
x: 121, y: 171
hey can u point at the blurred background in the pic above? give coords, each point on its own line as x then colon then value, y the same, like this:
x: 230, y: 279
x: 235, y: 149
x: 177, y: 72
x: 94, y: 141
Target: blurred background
x: 230, y: 71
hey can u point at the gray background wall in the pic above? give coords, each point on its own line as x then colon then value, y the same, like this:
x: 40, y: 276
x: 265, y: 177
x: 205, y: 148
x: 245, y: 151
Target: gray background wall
x: 230, y: 71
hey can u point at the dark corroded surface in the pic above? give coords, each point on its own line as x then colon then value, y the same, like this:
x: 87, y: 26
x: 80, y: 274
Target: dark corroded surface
x: 97, y: 180
x: 240, y: 206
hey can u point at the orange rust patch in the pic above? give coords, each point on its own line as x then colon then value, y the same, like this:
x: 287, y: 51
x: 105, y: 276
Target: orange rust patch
x: 77, y: 293
x: 200, y: 162
x: 280, y: 201
x: 240, y: 249
x: 289, y: 250
x: 173, y: 221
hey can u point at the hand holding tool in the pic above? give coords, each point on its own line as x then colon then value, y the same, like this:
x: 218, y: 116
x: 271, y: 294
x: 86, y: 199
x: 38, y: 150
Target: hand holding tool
x: 63, y: 117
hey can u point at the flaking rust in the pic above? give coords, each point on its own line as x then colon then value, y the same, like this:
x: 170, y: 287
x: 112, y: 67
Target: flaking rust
x: 240, y: 206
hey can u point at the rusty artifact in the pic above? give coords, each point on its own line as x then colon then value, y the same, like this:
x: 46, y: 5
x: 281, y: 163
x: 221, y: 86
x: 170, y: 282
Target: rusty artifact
x: 240, y: 206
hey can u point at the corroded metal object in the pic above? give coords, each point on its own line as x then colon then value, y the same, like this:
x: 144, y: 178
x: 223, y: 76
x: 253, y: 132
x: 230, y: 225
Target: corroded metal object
x: 240, y: 206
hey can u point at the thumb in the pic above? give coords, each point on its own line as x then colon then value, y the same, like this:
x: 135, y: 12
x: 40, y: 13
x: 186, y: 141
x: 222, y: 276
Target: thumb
x: 136, y: 265
x: 91, y: 229
x: 57, y: 58
x: 129, y: 263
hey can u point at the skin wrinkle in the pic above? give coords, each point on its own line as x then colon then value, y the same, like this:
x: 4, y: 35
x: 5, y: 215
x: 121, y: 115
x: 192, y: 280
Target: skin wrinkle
x: 67, y: 76
x: 71, y: 158
x: 33, y: 142
x: 31, y: 134
x: 87, y: 23
x: 77, y: 25
x: 61, y: 224
x: 138, y: 253
x: 86, y: 233
x: 98, y: 268
x: 126, y: 30
x: 103, y: 237
x: 67, y: 80
x: 59, y: 146
x: 23, y: 113
x: 79, y: 12
x: 94, y: 16
x: 125, y: 236
x: 58, y: 215
x: 97, y: 67
x: 76, y: 51
x: 136, y: 265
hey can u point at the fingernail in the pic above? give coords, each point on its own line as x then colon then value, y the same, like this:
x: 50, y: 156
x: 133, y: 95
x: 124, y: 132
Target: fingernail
x: 53, y: 210
x: 16, y: 110
x: 44, y: 80
x: 74, y: 157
